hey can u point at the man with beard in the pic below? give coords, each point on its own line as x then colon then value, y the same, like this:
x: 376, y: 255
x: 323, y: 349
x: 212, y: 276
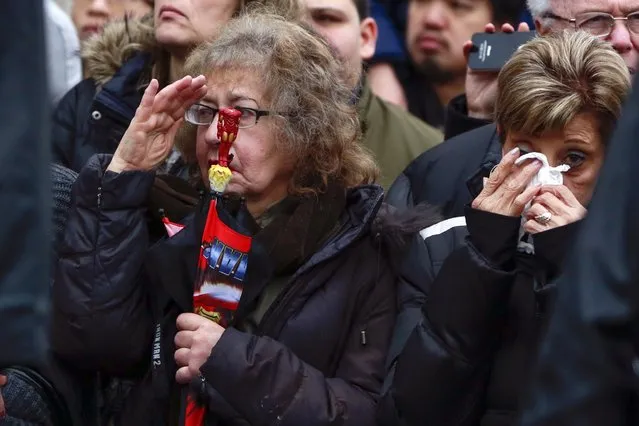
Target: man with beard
x: 451, y: 175
x: 436, y: 31
x: 394, y: 136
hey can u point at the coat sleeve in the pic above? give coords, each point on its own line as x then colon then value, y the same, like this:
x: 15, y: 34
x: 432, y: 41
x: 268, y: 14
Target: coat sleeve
x: 440, y: 373
x: 457, y: 119
x: 273, y: 386
x: 101, y: 318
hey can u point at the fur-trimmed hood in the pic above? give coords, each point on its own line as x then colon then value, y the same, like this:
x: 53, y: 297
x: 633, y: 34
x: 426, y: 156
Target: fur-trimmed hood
x: 105, y: 53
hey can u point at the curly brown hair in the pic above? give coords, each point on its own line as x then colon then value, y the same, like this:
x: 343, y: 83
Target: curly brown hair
x: 319, y: 129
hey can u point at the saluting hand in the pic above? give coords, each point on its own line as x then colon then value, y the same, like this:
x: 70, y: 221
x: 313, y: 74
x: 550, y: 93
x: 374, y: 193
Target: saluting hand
x: 150, y: 137
x: 196, y: 338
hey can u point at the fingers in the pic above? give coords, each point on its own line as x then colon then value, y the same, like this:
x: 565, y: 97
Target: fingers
x: 490, y: 28
x: 145, y: 109
x: 3, y: 381
x: 535, y: 210
x: 553, y: 204
x: 189, y: 321
x: 533, y: 227
x: 507, y: 28
x: 182, y: 357
x: 517, y: 181
x: 172, y: 99
x: 523, y: 27
x: 563, y: 193
x: 183, y: 376
x: 468, y: 46
x: 502, y: 170
x: 183, y: 339
x: 522, y: 200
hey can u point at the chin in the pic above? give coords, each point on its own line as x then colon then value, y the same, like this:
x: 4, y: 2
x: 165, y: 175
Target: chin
x: 170, y: 34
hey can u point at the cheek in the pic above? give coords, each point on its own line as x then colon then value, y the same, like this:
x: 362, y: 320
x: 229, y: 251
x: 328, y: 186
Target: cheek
x: 202, y: 149
x: 582, y: 183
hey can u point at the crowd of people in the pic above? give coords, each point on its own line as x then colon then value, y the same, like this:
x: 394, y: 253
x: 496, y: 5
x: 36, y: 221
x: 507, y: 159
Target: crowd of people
x: 409, y: 218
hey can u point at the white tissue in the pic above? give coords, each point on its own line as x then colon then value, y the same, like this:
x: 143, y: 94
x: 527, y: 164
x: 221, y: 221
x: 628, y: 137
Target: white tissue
x: 545, y: 176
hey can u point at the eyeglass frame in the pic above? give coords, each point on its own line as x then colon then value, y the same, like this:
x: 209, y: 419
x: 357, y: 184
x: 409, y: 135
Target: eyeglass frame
x: 551, y: 15
x: 258, y: 114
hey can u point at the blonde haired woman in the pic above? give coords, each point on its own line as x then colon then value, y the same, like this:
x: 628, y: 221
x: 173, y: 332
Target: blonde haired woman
x: 309, y: 340
x: 468, y: 361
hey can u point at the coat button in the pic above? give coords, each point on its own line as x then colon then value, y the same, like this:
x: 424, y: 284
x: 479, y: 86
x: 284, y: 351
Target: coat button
x: 96, y: 115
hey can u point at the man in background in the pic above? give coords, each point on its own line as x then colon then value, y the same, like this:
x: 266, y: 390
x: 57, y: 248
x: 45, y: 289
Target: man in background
x: 394, y: 136
x: 436, y: 31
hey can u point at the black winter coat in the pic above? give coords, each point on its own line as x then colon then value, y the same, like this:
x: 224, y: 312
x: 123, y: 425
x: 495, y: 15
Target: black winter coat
x: 473, y: 309
x: 88, y: 121
x: 317, y: 357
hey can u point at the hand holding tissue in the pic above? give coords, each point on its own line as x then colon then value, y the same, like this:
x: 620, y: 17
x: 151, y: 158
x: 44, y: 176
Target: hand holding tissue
x: 546, y: 175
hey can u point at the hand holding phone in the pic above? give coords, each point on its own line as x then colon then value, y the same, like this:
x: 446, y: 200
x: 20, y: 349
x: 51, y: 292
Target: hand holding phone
x: 481, y: 75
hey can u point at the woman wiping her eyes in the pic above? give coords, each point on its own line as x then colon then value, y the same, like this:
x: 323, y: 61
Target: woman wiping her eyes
x: 489, y: 291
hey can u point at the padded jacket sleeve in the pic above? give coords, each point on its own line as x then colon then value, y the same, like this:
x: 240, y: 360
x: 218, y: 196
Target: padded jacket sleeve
x: 101, y: 317
x: 440, y: 372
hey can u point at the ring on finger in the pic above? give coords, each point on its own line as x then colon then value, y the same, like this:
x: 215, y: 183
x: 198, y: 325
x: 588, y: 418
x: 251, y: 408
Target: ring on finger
x: 543, y: 218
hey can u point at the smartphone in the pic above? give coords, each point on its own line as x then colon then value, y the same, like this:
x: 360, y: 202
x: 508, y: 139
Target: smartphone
x: 490, y: 52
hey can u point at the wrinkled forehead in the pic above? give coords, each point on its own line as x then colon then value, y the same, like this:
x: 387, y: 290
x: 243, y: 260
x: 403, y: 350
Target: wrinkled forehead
x: 614, y: 7
x: 236, y: 83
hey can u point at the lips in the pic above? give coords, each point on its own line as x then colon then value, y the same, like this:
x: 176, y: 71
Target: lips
x: 216, y: 162
x: 91, y: 29
x: 429, y: 43
x: 170, y: 11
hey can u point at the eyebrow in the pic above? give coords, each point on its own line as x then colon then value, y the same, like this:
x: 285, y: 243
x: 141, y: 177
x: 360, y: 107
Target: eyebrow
x: 626, y: 10
x: 577, y: 141
x: 233, y: 97
x: 239, y: 97
x: 325, y: 9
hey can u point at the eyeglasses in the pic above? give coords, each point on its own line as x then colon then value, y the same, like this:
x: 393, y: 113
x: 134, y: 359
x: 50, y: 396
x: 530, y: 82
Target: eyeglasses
x: 599, y: 24
x: 203, y: 115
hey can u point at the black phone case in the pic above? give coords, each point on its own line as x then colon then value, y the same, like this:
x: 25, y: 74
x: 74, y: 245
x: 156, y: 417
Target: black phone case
x: 491, y: 51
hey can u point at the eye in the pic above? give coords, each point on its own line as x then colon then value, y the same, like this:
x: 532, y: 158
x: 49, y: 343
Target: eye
x: 248, y: 117
x: 574, y: 159
x: 326, y: 18
x: 524, y: 149
x: 460, y: 5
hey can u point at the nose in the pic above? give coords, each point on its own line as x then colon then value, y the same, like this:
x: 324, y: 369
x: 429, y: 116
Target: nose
x: 620, y: 38
x: 99, y: 8
x: 434, y: 15
x: 211, y: 133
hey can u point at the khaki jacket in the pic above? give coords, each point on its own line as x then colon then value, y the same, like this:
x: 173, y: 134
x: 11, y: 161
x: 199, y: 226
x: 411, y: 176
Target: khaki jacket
x: 394, y: 136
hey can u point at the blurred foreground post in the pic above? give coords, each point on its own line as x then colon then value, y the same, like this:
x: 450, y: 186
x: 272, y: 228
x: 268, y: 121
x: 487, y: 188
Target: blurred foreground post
x: 24, y: 183
x: 587, y: 372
